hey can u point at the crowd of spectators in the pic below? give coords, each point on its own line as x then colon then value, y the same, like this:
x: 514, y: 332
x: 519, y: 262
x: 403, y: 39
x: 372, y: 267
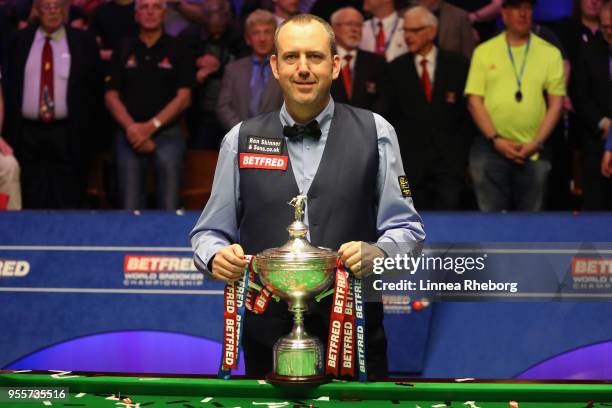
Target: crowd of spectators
x: 493, y: 110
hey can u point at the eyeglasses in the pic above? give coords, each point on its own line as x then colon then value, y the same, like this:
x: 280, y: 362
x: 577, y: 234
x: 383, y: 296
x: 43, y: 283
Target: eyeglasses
x: 415, y: 30
x: 50, y: 7
x: 154, y: 6
x: 351, y: 24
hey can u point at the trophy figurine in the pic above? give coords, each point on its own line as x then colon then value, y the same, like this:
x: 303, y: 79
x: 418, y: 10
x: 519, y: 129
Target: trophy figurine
x: 296, y: 272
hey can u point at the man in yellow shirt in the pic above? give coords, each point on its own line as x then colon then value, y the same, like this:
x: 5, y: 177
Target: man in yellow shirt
x: 515, y: 92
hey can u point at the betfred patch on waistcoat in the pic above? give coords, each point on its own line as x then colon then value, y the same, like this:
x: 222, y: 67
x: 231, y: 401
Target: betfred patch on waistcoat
x: 404, y: 186
x: 263, y: 161
x: 265, y: 145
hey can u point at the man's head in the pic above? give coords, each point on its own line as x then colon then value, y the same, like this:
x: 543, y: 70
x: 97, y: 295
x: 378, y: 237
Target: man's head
x: 605, y: 22
x: 347, y: 24
x: 150, y: 14
x: 217, y: 15
x: 50, y: 13
x: 518, y: 16
x: 420, y: 29
x: 379, y: 8
x: 305, y: 62
x: 259, y: 32
x: 286, y: 8
x: 589, y: 9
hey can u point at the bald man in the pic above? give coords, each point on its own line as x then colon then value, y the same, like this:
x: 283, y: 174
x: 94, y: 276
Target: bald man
x: 364, y: 80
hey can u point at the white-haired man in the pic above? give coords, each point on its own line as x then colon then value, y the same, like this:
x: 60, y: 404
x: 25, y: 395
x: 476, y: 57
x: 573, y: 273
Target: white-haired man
x: 364, y: 80
x: 52, y: 88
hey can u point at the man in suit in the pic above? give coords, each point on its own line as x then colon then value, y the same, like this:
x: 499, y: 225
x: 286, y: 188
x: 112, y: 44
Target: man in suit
x: 382, y: 34
x: 455, y: 31
x: 363, y: 80
x: 248, y: 87
x: 54, y: 84
x: 593, y: 97
x: 430, y: 114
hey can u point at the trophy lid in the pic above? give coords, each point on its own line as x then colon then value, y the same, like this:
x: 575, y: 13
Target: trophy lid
x: 298, y: 248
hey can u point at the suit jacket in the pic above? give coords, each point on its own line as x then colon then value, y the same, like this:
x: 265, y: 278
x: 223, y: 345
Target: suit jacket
x: 592, y: 92
x: 397, y: 45
x: 235, y: 94
x: 371, y: 86
x: 84, y: 95
x: 436, y: 133
x: 454, y: 30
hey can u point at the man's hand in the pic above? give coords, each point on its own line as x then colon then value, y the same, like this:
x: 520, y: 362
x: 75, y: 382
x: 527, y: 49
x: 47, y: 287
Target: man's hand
x: 605, y: 129
x: 137, y: 133
x: 606, y: 163
x: 526, y: 150
x: 5, y: 148
x: 209, y: 62
x: 228, y: 264
x: 359, y: 256
x: 509, y: 149
x: 148, y: 146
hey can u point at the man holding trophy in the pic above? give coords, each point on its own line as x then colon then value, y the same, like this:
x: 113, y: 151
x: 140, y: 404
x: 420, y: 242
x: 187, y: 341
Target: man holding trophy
x: 345, y: 160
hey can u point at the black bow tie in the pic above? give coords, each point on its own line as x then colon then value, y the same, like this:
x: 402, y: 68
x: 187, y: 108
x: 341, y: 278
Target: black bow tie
x: 311, y: 129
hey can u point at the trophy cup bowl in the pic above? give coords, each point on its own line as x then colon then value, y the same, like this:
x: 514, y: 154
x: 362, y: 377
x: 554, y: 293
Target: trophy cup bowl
x: 296, y: 272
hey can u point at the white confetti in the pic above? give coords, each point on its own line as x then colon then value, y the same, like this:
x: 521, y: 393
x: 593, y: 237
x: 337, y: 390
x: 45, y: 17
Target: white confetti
x: 262, y: 381
x: 322, y: 399
x: 471, y: 404
x: 80, y: 395
x: 112, y: 398
x: 47, y: 403
x: 123, y: 404
x: 463, y: 379
x: 149, y: 379
x: 272, y: 404
x: 439, y: 406
x: 207, y: 399
x: 21, y: 371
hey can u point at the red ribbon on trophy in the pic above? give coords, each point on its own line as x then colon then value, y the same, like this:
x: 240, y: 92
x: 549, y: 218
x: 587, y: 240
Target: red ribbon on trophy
x: 348, y: 335
x: 233, y: 315
x: 335, y: 340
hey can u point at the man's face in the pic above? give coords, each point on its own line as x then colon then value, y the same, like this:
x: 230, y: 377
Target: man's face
x: 287, y: 6
x: 591, y: 8
x: 418, y: 36
x: 606, y: 25
x: 304, y: 65
x: 150, y: 14
x: 518, y: 19
x: 260, y: 37
x: 50, y: 14
x: 347, y: 28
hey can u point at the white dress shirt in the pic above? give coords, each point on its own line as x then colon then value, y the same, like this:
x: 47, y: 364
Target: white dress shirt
x: 61, y: 73
x: 431, y: 57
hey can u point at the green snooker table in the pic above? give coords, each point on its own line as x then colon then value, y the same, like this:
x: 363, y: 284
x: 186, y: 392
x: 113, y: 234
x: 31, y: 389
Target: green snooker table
x: 95, y: 390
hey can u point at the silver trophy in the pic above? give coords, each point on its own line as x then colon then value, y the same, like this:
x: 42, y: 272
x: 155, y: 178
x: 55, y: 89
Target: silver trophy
x: 296, y: 272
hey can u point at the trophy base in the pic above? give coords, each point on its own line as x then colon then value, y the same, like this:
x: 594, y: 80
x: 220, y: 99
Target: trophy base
x: 286, y: 381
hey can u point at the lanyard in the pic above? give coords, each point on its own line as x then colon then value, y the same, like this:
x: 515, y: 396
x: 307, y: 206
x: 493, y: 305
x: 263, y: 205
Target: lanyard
x: 387, y: 40
x: 519, y: 75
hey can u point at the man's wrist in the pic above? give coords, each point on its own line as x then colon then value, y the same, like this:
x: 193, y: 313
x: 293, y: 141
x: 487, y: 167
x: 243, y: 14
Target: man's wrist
x: 493, y: 138
x: 603, y: 123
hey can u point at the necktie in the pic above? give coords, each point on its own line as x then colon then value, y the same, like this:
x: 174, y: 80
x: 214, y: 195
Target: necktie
x: 46, y: 105
x: 346, y: 76
x: 426, y: 80
x: 296, y: 131
x: 258, y: 83
x: 380, y: 39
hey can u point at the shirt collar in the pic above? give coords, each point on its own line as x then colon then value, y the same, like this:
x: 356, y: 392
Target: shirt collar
x: 57, y: 35
x: 342, y: 52
x: 431, y: 55
x: 324, y: 118
x: 388, y: 21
